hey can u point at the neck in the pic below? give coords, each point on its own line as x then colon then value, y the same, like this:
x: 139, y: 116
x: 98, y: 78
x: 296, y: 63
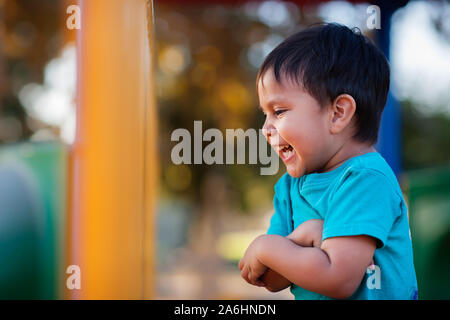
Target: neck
x: 348, y: 150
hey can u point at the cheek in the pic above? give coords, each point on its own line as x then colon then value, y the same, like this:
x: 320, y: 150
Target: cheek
x: 307, y: 139
x: 287, y: 133
x: 297, y: 132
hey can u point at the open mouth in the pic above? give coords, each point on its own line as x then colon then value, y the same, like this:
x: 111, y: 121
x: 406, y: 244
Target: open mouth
x: 286, y: 152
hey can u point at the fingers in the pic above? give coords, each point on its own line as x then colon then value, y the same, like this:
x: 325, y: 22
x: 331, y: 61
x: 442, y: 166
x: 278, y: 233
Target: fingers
x: 251, y: 277
x: 245, y: 274
x: 259, y: 283
x: 254, y: 278
x: 251, y: 272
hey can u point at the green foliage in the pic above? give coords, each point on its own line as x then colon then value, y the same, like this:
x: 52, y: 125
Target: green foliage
x: 426, y: 138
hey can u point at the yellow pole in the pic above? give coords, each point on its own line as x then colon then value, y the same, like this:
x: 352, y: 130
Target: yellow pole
x: 113, y: 172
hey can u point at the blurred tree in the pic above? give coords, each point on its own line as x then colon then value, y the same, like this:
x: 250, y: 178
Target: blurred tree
x: 205, y: 73
x: 30, y: 35
x: 426, y: 138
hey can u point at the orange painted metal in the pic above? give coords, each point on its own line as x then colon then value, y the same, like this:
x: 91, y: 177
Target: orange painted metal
x: 113, y: 160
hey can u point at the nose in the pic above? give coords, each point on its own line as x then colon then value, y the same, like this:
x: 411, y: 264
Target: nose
x: 268, y: 130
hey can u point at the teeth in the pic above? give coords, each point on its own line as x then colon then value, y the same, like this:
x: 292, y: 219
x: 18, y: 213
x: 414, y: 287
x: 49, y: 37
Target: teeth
x: 288, y: 153
x: 285, y: 151
x: 284, y: 148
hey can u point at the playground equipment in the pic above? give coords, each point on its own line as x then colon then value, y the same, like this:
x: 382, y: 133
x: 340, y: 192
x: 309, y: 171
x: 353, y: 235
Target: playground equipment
x: 88, y: 206
x: 113, y: 159
x: 428, y: 193
x: 33, y: 179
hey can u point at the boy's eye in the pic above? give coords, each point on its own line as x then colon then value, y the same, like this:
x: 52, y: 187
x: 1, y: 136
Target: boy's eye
x: 278, y: 112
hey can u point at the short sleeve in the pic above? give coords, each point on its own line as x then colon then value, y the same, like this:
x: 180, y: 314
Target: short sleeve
x: 281, y: 221
x: 364, y: 203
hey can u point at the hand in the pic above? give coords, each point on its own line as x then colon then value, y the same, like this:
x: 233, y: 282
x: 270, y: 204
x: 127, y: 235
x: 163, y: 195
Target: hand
x: 308, y: 234
x: 274, y: 281
x: 251, y: 268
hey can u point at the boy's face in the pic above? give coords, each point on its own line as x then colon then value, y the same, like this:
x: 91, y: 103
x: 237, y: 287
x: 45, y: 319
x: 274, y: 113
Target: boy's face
x: 296, y: 126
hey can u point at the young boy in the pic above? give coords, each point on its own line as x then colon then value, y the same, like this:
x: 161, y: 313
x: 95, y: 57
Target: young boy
x: 339, y: 208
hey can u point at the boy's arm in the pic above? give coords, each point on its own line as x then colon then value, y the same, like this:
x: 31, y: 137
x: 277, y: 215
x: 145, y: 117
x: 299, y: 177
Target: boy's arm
x: 274, y: 281
x: 334, y: 270
x: 307, y: 234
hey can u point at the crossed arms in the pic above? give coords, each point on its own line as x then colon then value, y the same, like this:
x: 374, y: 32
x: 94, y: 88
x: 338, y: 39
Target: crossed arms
x: 334, y: 267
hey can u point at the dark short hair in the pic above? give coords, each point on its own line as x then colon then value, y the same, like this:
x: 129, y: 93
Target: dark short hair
x: 330, y: 59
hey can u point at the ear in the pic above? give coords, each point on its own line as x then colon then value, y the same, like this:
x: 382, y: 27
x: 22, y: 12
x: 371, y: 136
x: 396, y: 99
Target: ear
x: 342, y: 111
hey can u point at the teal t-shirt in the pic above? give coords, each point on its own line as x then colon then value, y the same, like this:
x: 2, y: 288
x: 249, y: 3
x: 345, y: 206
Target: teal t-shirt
x: 360, y: 197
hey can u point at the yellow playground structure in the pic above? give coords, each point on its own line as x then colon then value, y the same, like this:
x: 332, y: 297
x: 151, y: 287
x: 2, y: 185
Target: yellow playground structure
x: 87, y: 233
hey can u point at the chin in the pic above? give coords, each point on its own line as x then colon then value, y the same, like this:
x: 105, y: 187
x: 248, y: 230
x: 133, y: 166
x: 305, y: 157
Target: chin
x: 295, y: 172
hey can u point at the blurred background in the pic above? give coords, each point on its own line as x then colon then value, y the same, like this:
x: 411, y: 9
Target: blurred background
x: 86, y: 117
